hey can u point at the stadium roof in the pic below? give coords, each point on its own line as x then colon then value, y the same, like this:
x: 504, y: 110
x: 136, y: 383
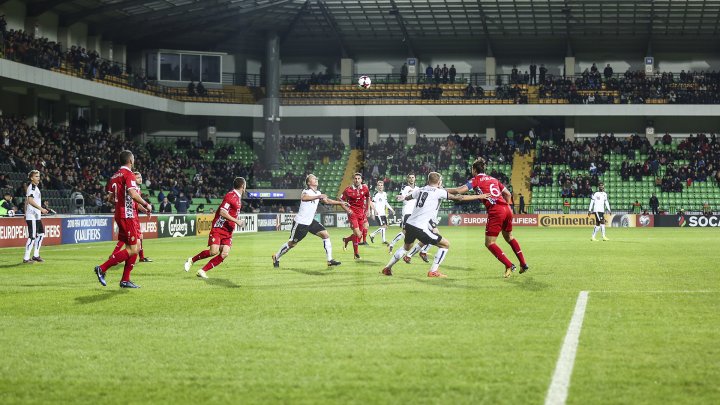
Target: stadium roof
x: 419, y: 27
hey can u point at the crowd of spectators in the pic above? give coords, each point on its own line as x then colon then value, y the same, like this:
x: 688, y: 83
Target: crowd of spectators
x: 439, y: 74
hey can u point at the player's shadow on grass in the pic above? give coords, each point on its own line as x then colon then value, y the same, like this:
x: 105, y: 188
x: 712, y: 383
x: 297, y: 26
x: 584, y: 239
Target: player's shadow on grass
x: 528, y: 283
x: 311, y: 272
x: 221, y: 282
x: 7, y: 266
x: 104, y: 296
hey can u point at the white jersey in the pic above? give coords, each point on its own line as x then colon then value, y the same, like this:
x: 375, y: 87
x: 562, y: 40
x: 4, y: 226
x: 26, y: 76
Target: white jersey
x: 409, y: 205
x: 598, y: 202
x: 428, y: 202
x: 381, y: 203
x: 306, y: 213
x: 30, y: 211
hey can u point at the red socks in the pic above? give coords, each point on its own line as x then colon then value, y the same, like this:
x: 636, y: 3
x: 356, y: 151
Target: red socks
x: 498, y: 253
x: 518, y: 252
x: 355, y: 241
x: 202, y: 255
x: 364, y: 232
x: 129, y: 264
x: 119, y: 246
x: 214, y: 262
x: 116, y: 258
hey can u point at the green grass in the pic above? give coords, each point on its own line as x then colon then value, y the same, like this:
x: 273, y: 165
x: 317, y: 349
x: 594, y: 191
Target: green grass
x: 308, y: 334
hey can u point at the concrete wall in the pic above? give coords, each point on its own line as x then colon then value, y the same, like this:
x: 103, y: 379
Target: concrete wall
x: 15, y: 12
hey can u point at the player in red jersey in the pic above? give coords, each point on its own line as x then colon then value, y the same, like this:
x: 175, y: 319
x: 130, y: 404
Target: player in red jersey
x: 120, y: 244
x: 223, y: 226
x: 499, y: 214
x: 357, y: 196
x: 123, y: 186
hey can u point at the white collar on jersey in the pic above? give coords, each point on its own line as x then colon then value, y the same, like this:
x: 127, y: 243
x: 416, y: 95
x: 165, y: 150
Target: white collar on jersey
x: 125, y: 167
x: 238, y: 194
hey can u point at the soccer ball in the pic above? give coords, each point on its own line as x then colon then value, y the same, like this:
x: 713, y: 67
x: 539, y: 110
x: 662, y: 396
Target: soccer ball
x: 364, y: 82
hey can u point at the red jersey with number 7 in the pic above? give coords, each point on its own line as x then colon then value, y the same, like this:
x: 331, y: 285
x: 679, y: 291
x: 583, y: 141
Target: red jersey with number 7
x: 482, y: 184
x: 120, y: 183
x: 357, y: 197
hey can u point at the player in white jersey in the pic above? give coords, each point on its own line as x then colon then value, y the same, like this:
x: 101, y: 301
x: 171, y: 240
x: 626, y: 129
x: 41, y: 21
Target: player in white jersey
x: 33, y: 216
x: 305, y: 221
x: 408, y: 207
x: 418, y: 225
x: 381, y: 206
x: 598, y: 203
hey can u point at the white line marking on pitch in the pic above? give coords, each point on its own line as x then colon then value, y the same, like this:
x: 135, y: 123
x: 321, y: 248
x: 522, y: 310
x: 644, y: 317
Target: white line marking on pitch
x: 558, y: 391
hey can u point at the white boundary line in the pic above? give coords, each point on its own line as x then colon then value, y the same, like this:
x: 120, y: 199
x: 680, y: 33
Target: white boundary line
x: 558, y: 391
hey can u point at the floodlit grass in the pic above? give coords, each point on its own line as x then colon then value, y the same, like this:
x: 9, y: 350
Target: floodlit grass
x: 305, y: 333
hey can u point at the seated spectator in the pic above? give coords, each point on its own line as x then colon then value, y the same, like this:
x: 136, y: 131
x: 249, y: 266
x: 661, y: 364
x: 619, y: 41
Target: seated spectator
x: 191, y: 89
x: 201, y: 91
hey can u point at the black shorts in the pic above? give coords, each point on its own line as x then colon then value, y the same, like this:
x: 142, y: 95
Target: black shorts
x: 35, y: 227
x: 599, y: 218
x: 382, y: 219
x: 299, y: 231
x: 426, y: 236
x: 404, y: 221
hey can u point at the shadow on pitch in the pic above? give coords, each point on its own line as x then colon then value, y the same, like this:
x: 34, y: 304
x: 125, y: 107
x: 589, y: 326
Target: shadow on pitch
x: 221, y: 282
x: 311, y: 272
x: 528, y: 282
x: 8, y: 266
x: 104, y: 296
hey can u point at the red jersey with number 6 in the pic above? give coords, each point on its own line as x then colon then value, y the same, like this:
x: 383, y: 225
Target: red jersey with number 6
x: 482, y: 183
x: 120, y: 183
x: 232, y: 203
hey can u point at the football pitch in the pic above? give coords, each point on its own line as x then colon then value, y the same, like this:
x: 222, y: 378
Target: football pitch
x: 306, y: 333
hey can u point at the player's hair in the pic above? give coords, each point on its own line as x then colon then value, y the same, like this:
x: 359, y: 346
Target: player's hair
x: 357, y: 174
x: 410, y: 174
x: 32, y: 173
x: 307, y: 178
x: 238, y: 183
x: 125, y: 157
x: 137, y: 173
x: 434, y: 178
x: 380, y: 181
x: 479, y: 165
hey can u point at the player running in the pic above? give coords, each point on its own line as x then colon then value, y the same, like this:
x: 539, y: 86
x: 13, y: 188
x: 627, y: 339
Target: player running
x: 418, y: 224
x: 408, y: 206
x: 381, y: 206
x: 499, y: 214
x: 120, y: 244
x: 223, y: 226
x: 305, y: 222
x: 123, y: 186
x: 598, y: 202
x: 357, y: 195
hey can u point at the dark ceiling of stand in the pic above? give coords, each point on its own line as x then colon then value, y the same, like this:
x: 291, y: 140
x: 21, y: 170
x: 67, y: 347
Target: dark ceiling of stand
x: 418, y: 27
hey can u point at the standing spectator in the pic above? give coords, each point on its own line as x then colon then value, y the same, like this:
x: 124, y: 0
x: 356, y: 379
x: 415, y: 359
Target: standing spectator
x: 182, y: 204
x: 436, y: 74
x: 445, y: 72
x: 165, y: 206
x: 429, y: 73
x: 608, y: 72
x: 453, y: 73
x: 654, y: 204
x: 403, y: 73
x: 543, y: 72
x: 522, y: 204
x: 533, y: 73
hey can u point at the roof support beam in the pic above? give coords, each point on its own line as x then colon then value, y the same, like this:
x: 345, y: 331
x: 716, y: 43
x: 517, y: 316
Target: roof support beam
x: 71, y: 19
x: 284, y: 36
x: 35, y: 9
x: 406, y: 36
x: 334, y: 28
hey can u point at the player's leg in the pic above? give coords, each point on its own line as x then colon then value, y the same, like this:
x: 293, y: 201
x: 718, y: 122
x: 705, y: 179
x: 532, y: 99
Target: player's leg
x: 383, y: 231
x: 492, y: 230
x: 130, y: 265
x: 365, y: 229
x: 212, y: 250
x: 357, y: 236
x: 602, y: 227
x: 126, y: 233
x: 118, y: 246
x: 296, y: 235
x: 596, y: 228
x: 424, y: 251
x: 224, y: 251
x: 510, y: 239
x: 38, y: 241
x: 443, y: 247
x: 32, y: 233
x: 327, y: 245
x: 400, y: 234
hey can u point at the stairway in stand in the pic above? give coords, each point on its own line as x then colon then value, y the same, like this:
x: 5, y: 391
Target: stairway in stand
x: 520, y: 179
x: 352, y: 167
x: 533, y: 94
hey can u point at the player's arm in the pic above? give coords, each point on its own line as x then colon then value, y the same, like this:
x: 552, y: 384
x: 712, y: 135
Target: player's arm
x: 307, y: 197
x: 389, y: 207
x: 138, y: 199
x: 224, y: 213
x: 371, y: 206
x: 465, y: 197
x: 591, y: 206
x: 330, y: 201
x: 607, y: 204
x: 507, y: 195
x: 346, y: 205
x: 459, y: 190
x: 31, y: 201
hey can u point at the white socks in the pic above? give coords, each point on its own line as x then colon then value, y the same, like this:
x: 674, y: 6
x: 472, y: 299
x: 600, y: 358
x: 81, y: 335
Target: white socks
x: 397, y: 238
x: 396, y: 257
x: 328, y: 248
x: 283, y: 249
x: 595, y: 230
x: 28, y: 248
x: 602, y: 228
x: 425, y: 248
x: 439, y: 257
x: 38, y: 243
x: 415, y: 249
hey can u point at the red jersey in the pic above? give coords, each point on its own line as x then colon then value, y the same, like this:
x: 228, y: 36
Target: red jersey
x: 482, y: 183
x: 357, y: 198
x: 232, y: 203
x: 120, y: 184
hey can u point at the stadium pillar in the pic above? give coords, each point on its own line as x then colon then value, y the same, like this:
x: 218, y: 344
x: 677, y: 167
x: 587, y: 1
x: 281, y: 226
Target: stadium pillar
x: 490, y: 70
x: 569, y: 66
x: 94, y: 117
x: 346, y: 70
x: 490, y: 134
x: 271, y: 112
x: 61, y: 111
x: 570, y: 129
x: 345, y: 135
x: 30, y: 107
x: 94, y: 42
x: 106, y: 50
x: 373, y: 136
x: 120, y: 53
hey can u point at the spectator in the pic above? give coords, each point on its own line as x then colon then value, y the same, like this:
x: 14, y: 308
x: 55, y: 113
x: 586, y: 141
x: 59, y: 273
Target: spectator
x: 403, y: 73
x: 191, y: 89
x: 165, y: 206
x: 182, y: 204
x: 654, y: 204
x: 522, y: 204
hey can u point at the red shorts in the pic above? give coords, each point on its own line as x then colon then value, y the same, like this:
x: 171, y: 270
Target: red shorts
x: 128, y: 230
x: 499, y: 219
x: 357, y: 220
x: 220, y: 236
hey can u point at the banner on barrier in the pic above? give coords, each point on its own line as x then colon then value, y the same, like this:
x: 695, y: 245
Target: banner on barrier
x: 663, y: 221
x: 203, y: 223
x: 267, y: 222
x: 87, y: 229
x: 645, y: 221
x: 702, y: 221
x: 342, y: 220
x: 250, y: 223
x: 176, y: 226
x: 566, y: 220
x: 328, y: 220
x: 148, y: 227
x: 285, y: 222
x: 481, y: 220
x: 621, y: 220
x: 14, y: 232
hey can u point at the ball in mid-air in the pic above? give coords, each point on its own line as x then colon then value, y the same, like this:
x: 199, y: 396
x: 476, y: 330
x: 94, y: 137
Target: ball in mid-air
x: 364, y: 82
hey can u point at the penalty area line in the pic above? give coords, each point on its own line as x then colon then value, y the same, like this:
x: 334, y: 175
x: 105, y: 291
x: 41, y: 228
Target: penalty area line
x: 558, y: 391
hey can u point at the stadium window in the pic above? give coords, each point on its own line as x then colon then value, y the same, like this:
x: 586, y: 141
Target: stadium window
x: 170, y: 66
x: 190, y: 68
x: 152, y: 66
x: 211, y: 68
